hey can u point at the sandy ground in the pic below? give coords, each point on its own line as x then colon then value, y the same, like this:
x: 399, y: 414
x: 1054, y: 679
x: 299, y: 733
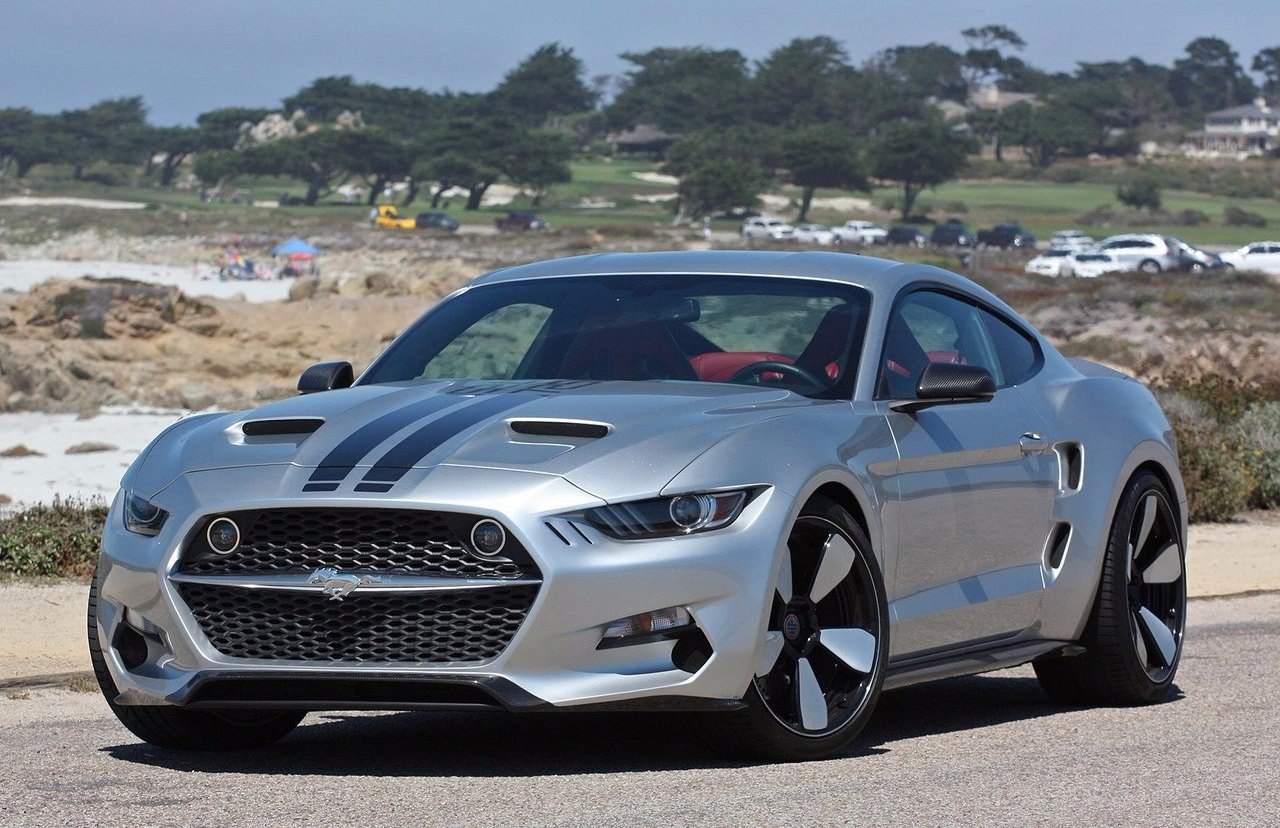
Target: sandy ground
x: 42, y: 626
x: 35, y: 478
x: 197, y: 280
x: 95, y: 203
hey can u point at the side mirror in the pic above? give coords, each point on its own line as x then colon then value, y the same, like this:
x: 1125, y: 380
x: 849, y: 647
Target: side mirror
x: 325, y: 376
x: 940, y: 384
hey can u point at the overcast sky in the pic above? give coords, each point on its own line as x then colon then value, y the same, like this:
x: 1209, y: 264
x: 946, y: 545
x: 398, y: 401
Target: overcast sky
x: 188, y: 56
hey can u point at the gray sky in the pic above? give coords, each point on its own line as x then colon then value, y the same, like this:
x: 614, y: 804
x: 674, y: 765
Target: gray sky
x: 188, y: 56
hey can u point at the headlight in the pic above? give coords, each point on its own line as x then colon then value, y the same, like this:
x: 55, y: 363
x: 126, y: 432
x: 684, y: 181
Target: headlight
x: 663, y: 517
x: 142, y: 516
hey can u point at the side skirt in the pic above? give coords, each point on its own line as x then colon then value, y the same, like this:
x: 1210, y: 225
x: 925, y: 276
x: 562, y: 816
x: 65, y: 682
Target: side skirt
x: 966, y: 663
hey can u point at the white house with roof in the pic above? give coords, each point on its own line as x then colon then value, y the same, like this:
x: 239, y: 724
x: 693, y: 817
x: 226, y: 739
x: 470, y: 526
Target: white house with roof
x: 1238, y: 131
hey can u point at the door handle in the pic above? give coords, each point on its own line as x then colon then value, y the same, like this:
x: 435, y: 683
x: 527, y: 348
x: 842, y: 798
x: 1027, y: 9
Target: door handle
x: 1031, y: 442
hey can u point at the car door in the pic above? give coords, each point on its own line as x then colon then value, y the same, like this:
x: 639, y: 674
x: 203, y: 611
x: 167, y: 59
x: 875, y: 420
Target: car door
x: 975, y: 481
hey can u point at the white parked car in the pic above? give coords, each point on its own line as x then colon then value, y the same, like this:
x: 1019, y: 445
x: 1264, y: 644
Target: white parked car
x: 1147, y: 252
x: 1072, y: 240
x: 1093, y: 263
x: 859, y: 232
x: 1264, y: 256
x: 767, y: 228
x: 1053, y: 262
x: 815, y: 234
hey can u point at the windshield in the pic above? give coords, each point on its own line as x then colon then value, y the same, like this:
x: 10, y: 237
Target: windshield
x: 804, y: 336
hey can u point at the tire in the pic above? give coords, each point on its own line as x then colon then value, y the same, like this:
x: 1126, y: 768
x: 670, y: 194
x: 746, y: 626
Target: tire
x: 1133, y: 639
x: 178, y: 728
x: 1149, y: 266
x: 813, y: 692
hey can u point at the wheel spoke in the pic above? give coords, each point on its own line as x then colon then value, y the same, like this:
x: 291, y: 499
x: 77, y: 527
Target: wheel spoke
x: 784, y: 577
x: 1157, y: 633
x: 1148, y: 519
x: 812, y: 702
x: 1166, y: 568
x: 769, y: 652
x: 853, y: 646
x: 837, y: 561
x: 1141, y: 641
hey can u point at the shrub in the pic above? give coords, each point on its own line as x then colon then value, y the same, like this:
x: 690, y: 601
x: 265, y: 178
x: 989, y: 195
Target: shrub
x: 1258, y: 432
x: 1189, y: 218
x: 61, y: 538
x: 1218, y: 482
x: 1235, y: 217
x: 1140, y: 191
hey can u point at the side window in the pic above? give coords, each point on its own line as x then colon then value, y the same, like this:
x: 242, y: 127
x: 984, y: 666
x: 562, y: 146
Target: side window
x: 1017, y: 354
x: 493, y: 347
x: 929, y: 327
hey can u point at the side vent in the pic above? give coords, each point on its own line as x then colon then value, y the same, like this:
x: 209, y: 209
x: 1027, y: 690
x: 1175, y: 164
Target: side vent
x: 1070, y: 466
x: 560, y: 428
x: 1056, y: 548
x: 281, y: 428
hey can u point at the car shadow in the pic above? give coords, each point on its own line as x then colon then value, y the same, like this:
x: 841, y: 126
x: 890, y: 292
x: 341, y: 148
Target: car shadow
x: 556, y: 744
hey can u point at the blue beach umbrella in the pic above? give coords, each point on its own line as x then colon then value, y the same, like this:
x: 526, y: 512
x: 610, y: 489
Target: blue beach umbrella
x: 294, y: 247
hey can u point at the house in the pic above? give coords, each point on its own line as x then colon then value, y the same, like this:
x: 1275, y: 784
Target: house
x: 1239, y: 131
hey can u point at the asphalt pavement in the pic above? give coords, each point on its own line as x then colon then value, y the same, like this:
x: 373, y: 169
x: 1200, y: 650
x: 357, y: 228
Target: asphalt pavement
x: 987, y: 750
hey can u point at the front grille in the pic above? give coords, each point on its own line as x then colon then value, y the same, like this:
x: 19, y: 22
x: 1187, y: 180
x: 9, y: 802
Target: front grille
x: 406, y: 541
x: 455, y: 627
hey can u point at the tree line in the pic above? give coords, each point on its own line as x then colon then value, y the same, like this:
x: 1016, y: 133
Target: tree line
x: 805, y: 114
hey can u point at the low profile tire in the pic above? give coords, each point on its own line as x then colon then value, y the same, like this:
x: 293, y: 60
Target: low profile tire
x: 1149, y: 266
x: 181, y: 729
x: 825, y: 649
x: 1133, y: 639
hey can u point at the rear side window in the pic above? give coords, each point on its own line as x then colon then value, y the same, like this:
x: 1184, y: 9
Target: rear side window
x: 1017, y: 354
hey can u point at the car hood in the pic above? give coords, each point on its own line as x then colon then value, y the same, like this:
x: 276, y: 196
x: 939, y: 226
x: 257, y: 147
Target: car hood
x: 611, y: 439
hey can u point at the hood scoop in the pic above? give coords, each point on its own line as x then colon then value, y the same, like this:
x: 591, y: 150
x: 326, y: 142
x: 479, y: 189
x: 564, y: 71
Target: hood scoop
x: 575, y: 429
x: 291, y: 427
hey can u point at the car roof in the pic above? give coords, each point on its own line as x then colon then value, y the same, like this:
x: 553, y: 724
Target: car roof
x: 880, y: 276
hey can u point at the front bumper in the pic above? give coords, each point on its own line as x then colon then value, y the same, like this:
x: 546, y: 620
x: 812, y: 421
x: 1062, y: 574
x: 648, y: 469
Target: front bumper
x: 722, y: 577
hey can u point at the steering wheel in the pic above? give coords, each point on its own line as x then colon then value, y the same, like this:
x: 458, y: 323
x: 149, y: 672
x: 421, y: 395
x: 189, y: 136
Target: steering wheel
x: 753, y: 374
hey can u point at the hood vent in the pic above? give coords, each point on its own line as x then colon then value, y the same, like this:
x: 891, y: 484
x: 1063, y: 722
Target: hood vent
x: 560, y: 428
x: 281, y: 428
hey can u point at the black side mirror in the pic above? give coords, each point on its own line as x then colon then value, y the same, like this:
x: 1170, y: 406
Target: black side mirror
x: 325, y: 376
x: 940, y: 384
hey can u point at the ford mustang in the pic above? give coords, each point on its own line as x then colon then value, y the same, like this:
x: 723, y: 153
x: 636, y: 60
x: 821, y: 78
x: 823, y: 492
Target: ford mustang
x: 761, y: 487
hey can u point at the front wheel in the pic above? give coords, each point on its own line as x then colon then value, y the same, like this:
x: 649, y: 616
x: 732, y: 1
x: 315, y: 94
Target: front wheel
x: 1149, y: 266
x: 1133, y: 639
x: 822, y: 661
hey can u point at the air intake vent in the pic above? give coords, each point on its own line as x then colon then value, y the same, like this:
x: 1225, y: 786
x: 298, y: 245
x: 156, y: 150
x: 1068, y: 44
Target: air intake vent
x: 1070, y: 465
x: 1056, y: 548
x: 560, y: 428
x: 277, y: 428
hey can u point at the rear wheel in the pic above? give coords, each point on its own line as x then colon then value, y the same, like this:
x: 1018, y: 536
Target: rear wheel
x: 1149, y: 266
x: 182, y: 729
x: 1133, y: 639
x: 824, y: 652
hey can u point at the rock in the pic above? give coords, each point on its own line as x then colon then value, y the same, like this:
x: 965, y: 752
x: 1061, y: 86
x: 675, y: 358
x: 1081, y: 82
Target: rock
x: 91, y: 447
x: 20, y: 451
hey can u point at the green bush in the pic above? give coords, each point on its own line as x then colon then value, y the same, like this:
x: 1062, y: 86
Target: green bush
x: 1214, y: 472
x: 61, y: 538
x: 1258, y: 432
x: 1235, y: 217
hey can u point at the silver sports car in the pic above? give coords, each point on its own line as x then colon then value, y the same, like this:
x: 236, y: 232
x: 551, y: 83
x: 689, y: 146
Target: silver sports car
x: 759, y: 486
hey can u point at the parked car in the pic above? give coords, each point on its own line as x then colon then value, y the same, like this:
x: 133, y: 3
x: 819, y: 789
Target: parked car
x: 435, y: 220
x: 1147, y: 252
x: 860, y: 232
x: 767, y: 228
x: 620, y: 480
x: 520, y: 220
x: 1072, y: 240
x: 906, y: 234
x: 1093, y: 263
x: 951, y: 234
x: 1051, y: 262
x: 1264, y: 256
x: 1006, y: 237
x: 814, y: 234
x: 1193, y: 259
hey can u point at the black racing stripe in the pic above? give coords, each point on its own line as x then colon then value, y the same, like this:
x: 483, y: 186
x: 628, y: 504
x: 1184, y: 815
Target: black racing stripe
x: 402, y: 457
x: 339, y: 462
x: 320, y: 487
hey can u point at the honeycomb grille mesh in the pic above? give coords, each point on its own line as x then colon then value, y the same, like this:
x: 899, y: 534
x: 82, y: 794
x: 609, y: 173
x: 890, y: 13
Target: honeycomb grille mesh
x: 455, y: 627
x: 371, y: 540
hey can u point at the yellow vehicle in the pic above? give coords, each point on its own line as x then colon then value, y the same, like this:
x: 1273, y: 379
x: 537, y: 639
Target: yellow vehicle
x: 388, y: 216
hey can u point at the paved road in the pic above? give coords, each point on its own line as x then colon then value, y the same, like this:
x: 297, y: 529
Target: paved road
x: 978, y: 751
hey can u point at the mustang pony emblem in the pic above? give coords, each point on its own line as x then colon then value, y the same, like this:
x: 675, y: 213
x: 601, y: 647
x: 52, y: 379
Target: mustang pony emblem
x: 336, y: 585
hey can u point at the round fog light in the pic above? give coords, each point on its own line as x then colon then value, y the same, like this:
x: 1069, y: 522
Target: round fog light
x: 488, y: 537
x: 223, y: 536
